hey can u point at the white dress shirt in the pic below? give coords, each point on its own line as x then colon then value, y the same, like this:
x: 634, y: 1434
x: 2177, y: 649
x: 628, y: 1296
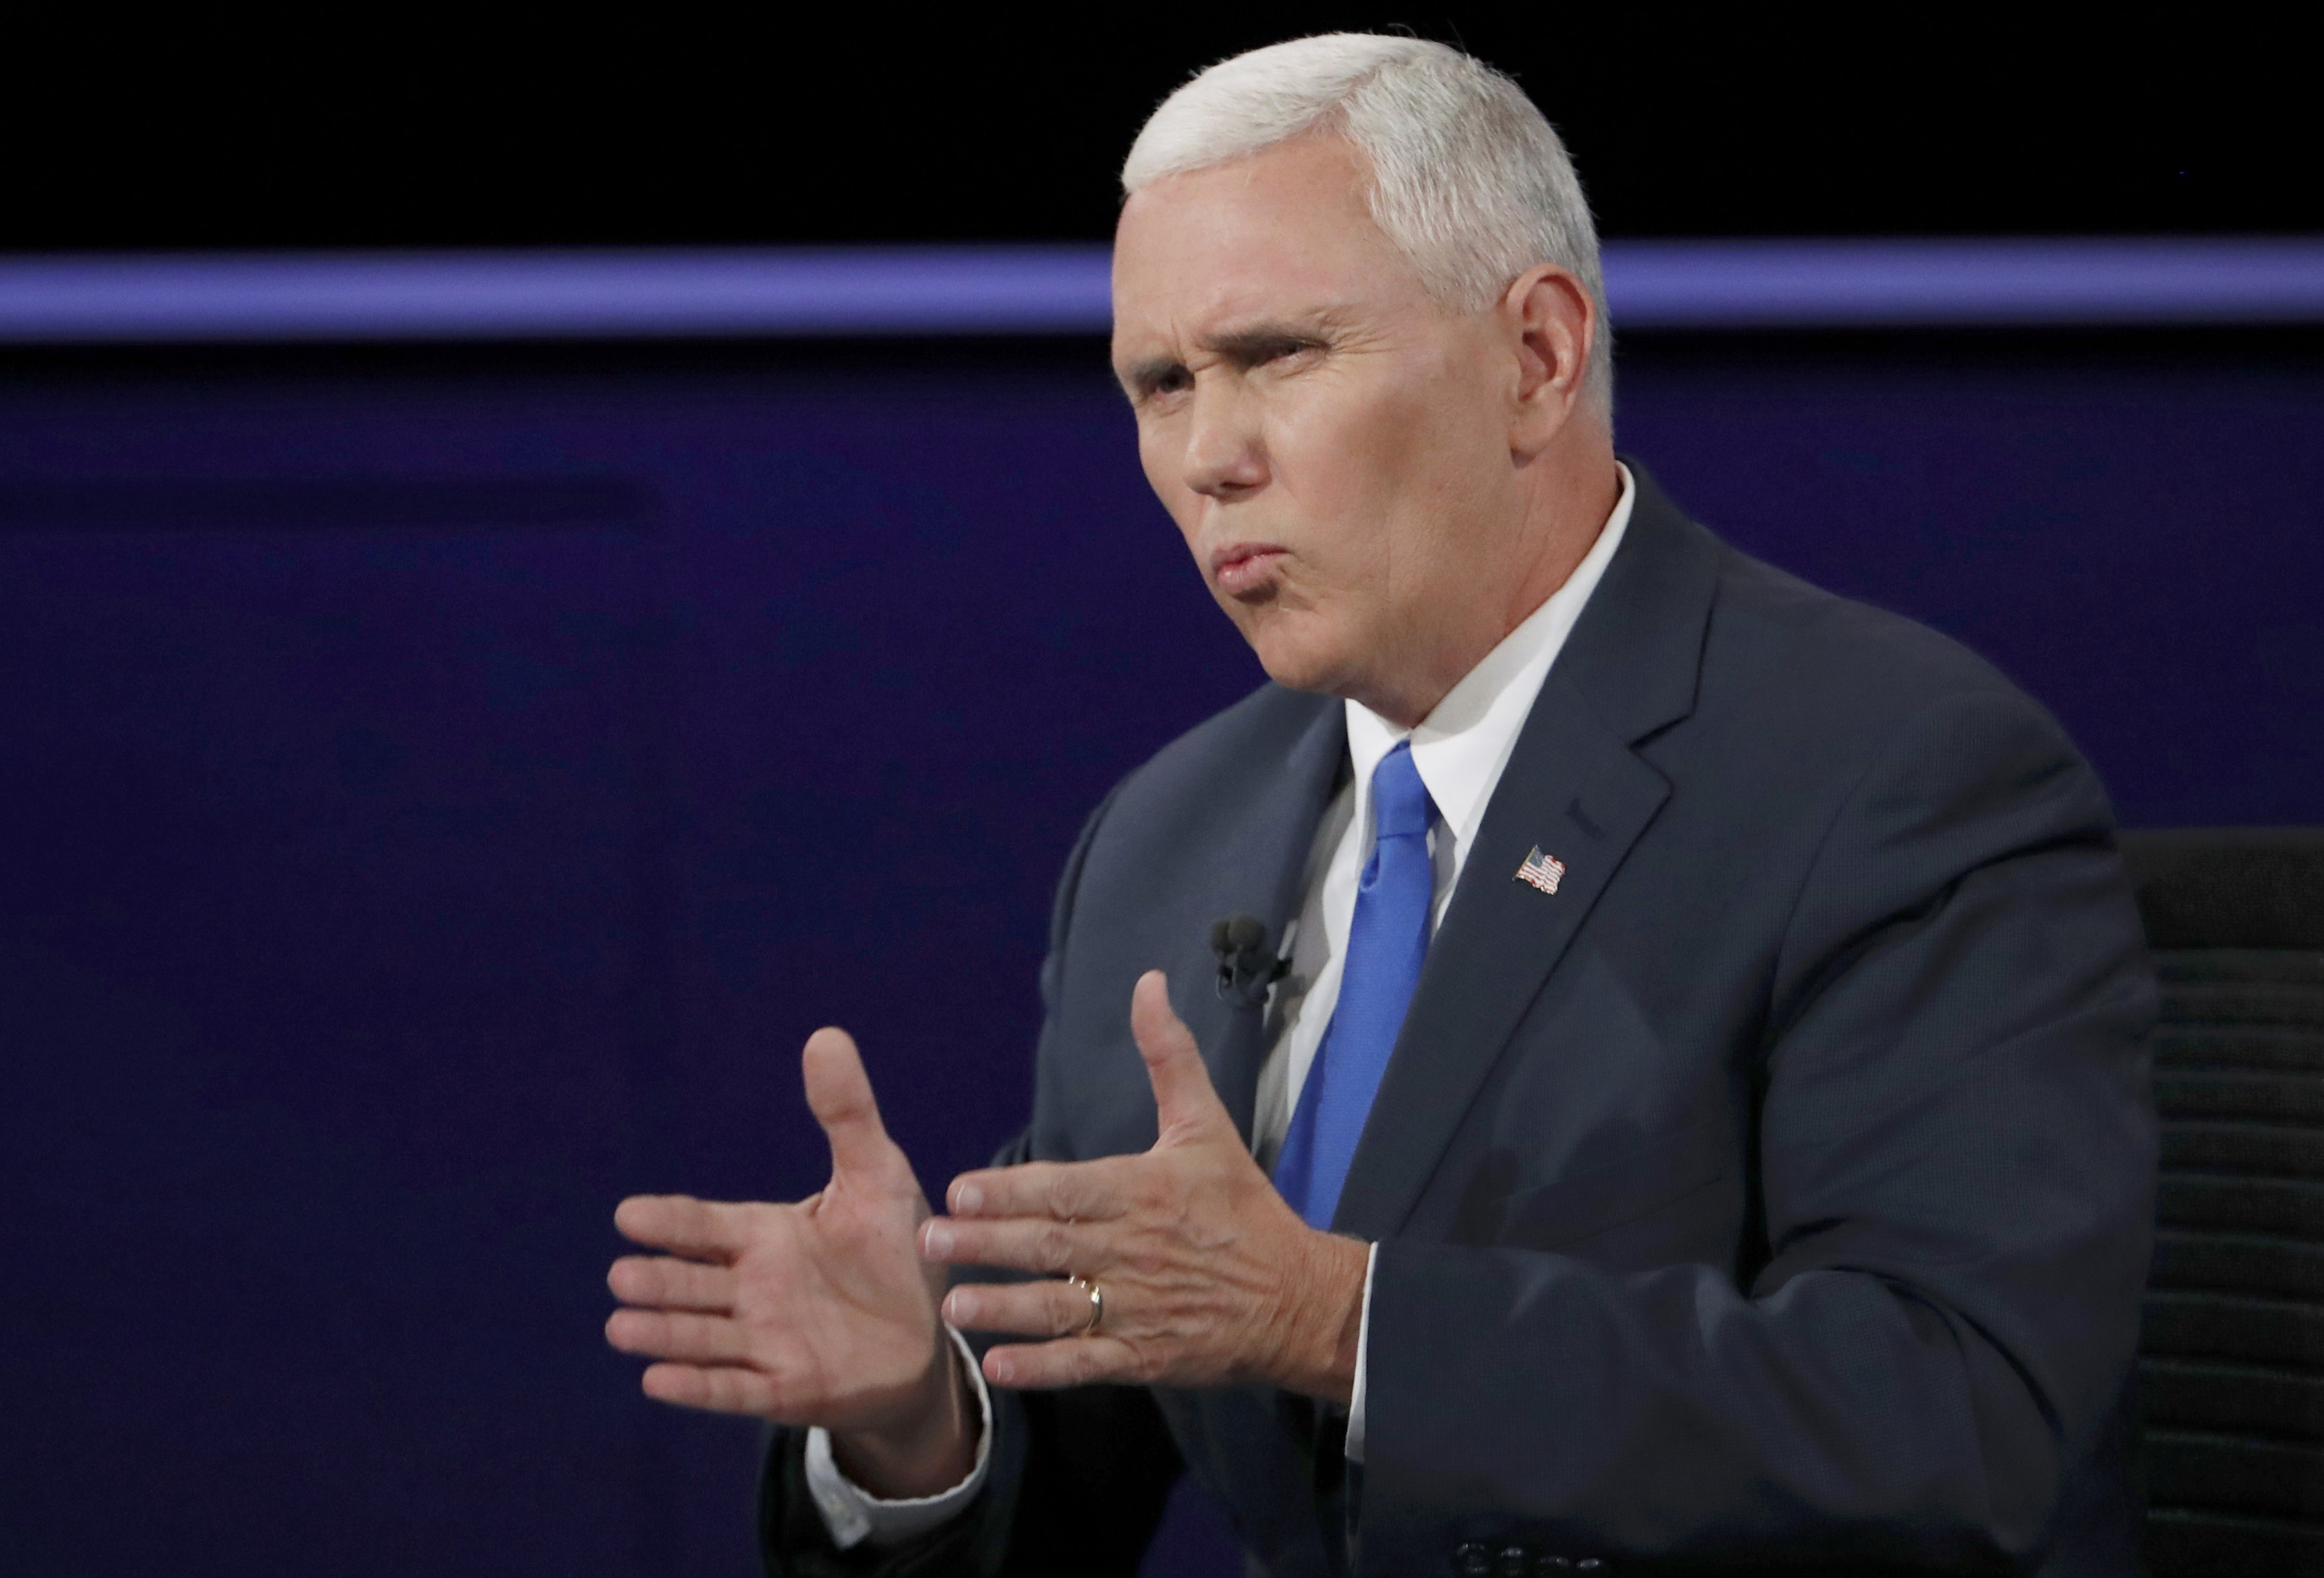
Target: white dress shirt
x: 1460, y: 750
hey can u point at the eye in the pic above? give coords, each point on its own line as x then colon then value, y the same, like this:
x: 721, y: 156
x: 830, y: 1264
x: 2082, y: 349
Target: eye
x: 1157, y: 381
x: 1284, y: 353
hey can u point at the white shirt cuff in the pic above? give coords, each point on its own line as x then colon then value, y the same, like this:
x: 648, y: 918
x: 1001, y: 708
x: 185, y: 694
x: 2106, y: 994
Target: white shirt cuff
x: 853, y: 1515
x: 1354, y: 1450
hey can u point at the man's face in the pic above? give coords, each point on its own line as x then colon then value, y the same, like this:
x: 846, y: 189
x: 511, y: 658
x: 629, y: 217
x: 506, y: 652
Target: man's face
x: 1334, y: 445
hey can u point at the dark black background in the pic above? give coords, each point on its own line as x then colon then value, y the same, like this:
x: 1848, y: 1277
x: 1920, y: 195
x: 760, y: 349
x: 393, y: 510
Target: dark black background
x: 396, y: 126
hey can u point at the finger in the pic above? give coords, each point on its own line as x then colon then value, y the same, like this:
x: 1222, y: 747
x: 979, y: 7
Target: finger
x: 1022, y: 1244
x: 1069, y: 1191
x: 668, y: 1284
x: 1184, y: 1100
x: 1029, y: 1309
x: 839, y: 1093
x: 1069, y: 1361
x: 722, y: 1390
x: 700, y: 1339
x: 705, y: 1228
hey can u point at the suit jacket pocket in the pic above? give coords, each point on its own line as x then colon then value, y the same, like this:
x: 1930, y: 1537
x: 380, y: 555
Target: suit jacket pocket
x: 1583, y: 1204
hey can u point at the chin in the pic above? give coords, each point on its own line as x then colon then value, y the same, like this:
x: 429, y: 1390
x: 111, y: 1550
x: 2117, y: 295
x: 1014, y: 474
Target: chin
x: 1299, y: 659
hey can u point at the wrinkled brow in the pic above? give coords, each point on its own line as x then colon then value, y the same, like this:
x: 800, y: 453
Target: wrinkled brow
x: 1148, y: 371
x: 1245, y: 346
x: 1254, y: 343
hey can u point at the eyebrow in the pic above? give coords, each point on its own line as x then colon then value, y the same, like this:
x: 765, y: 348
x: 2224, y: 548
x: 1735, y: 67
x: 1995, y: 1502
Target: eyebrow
x: 1142, y: 375
x: 1245, y: 346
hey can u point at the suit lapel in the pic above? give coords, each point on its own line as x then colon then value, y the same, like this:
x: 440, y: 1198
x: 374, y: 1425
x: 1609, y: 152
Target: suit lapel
x: 1579, y: 795
x: 1265, y: 865
x: 1575, y: 790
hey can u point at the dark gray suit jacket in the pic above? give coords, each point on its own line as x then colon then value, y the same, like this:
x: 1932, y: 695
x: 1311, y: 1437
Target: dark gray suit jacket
x: 1776, y: 1192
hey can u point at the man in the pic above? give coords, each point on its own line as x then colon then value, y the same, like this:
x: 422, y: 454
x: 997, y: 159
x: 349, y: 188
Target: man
x: 1672, y: 1088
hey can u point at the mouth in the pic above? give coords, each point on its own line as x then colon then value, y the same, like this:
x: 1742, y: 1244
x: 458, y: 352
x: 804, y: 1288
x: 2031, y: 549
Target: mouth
x: 1246, y: 569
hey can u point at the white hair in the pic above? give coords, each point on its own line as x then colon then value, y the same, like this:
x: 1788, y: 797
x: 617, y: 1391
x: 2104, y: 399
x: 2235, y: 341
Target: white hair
x: 1468, y: 180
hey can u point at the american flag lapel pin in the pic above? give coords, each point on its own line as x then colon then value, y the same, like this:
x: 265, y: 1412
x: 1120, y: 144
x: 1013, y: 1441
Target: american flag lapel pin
x: 1542, y: 871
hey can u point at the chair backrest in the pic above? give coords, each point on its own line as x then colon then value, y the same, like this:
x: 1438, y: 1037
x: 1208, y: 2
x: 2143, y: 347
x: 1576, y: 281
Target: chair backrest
x: 2231, y: 1356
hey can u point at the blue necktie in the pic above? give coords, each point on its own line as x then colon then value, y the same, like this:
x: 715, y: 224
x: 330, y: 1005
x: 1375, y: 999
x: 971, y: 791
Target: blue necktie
x: 1385, y: 946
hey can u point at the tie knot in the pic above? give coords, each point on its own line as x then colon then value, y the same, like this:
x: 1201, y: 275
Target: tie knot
x: 1400, y: 803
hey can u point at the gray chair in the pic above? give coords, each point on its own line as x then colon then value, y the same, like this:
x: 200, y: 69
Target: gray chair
x: 2231, y: 1357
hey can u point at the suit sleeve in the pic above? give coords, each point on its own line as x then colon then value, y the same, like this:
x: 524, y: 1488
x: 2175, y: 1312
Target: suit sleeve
x: 1953, y: 1166
x: 1077, y: 1477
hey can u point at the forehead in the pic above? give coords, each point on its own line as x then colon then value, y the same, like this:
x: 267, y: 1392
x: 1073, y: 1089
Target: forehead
x: 1284, y: 235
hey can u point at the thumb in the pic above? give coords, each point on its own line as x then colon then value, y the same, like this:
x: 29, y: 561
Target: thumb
x: 839, y: 1093
x: 1184, y: 1099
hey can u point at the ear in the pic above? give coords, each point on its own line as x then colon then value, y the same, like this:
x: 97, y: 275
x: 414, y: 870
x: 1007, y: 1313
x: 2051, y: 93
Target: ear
x: 1552, y: 324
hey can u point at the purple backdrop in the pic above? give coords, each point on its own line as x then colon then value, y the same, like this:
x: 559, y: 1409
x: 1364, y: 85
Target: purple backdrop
x: 440, y: 800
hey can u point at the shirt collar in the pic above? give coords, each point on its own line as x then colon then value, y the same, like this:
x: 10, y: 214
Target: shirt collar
x: 1461, y: 747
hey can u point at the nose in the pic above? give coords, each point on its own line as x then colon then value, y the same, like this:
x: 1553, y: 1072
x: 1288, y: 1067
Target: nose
x: 1225, y: 459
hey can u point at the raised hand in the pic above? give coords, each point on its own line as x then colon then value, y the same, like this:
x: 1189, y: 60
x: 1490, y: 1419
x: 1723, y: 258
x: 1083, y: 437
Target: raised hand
x: 819, y: 1313
x: 1207, y: 1277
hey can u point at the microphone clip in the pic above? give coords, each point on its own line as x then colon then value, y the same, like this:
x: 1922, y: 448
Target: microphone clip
x: 1247, y: 968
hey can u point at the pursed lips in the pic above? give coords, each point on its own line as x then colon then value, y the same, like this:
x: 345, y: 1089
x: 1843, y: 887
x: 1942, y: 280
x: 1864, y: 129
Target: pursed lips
x: 1242, y: 569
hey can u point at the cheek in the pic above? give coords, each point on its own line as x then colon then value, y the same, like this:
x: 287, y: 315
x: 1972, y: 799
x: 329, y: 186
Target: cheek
x: 1349, y: 457
x: 1404, y: 473
x: 1157, y: 457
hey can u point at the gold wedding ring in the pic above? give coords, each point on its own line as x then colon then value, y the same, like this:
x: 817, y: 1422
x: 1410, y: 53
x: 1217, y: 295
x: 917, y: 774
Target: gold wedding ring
x: 1097, y: 1303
